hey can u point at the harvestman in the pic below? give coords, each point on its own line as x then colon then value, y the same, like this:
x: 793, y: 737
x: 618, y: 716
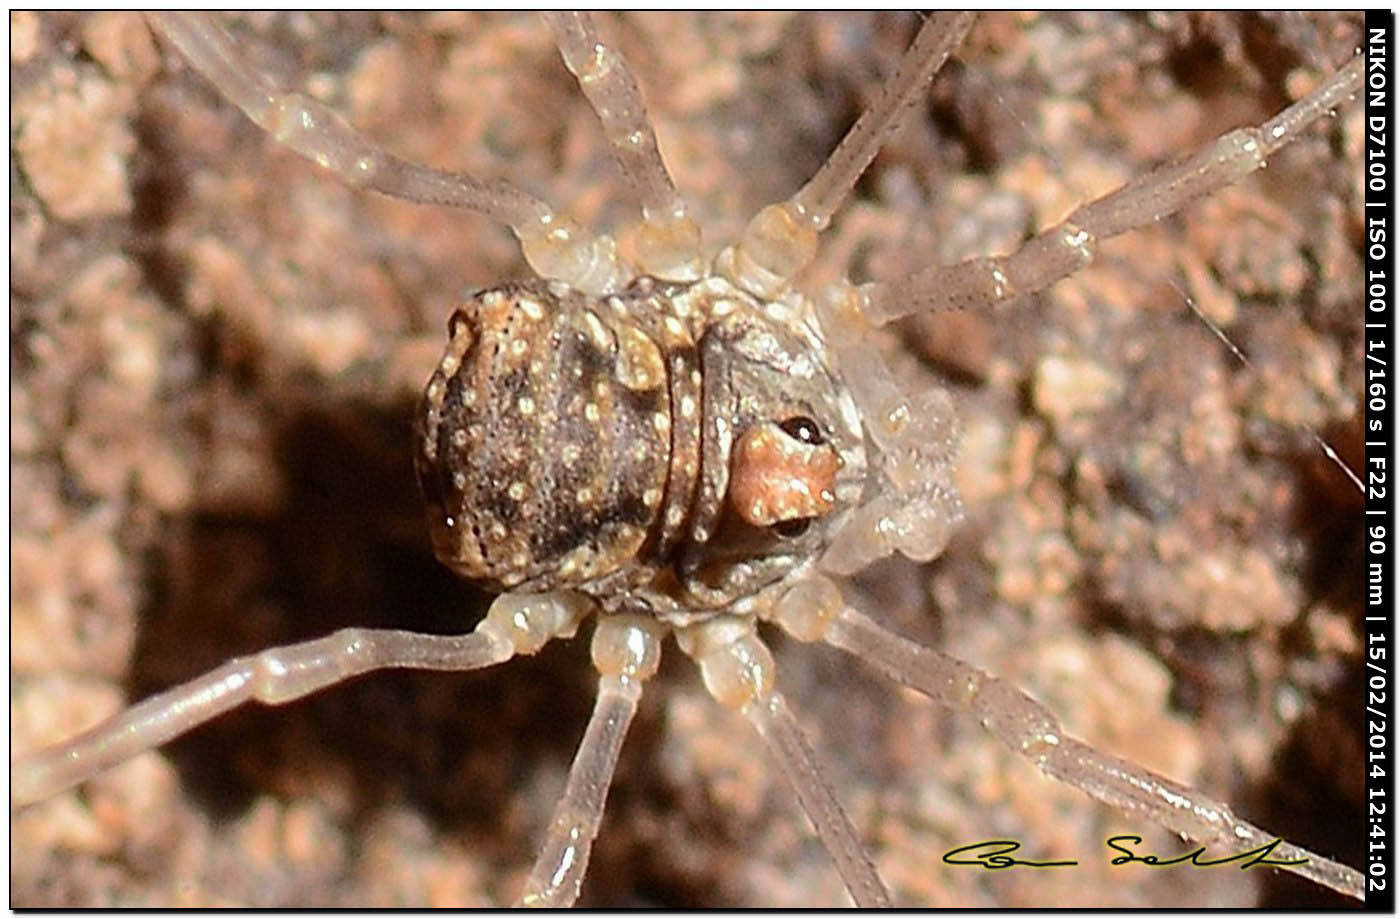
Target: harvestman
x: 801, y: 494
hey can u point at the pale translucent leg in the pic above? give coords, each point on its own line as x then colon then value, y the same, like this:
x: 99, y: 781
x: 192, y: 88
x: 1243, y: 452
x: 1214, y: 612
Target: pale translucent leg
x: 916, y: 510
x: 556, y: 247
x: 626, y: 650
x: 668, y: 243
x: 774, y: 722
x: 815, y: 612
x: 1070, y: 245
x: 826, y: 191
x: 738, y: 670
x: 513, y: 625
x: 781, y: 239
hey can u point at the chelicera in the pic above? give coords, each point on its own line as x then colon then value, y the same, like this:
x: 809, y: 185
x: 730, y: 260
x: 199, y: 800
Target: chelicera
x: 773, y: 447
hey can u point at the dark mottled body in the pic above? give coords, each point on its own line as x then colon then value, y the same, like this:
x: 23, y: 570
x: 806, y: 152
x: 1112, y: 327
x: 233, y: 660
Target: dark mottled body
x: 545, y: 438
x: 570, y: 442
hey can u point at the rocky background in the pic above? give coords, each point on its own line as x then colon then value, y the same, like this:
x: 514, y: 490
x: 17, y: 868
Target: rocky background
x: 216, y: 351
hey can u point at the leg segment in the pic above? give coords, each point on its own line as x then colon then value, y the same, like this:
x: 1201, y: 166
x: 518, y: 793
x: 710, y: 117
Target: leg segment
x: 815, y: 611
x: 555, y: 246
x: 1070, y: 245
x: 782, y: 238
x: 916, y: 434
x: 774, y: 722
x: 514, y: 625
x: 626, y: 650
x: 668, y: 243
x: 826, y: 191
x: 738, y: 670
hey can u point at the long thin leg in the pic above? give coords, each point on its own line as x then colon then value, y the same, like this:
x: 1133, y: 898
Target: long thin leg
x: 782, y: 238
x: 555, y: 246
x: 826, y: 191
x: 1070, y: 245
x: 817, y: 612
x: 626, y: 650
x: 738, y: 670
x: 918, y: 508
x: 513, y: 625
x: 668, y: 244
x: 774, y: 722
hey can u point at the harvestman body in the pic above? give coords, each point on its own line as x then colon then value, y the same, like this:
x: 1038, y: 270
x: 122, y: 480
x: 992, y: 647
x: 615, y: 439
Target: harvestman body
x: 744, y: 447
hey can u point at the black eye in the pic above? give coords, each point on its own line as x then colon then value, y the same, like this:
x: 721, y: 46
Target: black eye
x: 791, y: 529
x: 800, y: 427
